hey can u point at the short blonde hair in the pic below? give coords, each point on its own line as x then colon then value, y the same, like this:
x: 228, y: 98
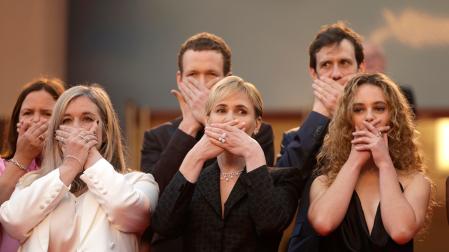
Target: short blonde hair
x: 234, y: 84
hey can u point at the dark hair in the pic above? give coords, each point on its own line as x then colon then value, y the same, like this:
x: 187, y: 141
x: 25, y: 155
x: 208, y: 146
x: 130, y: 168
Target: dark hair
x: 207, y: 41
x: 54, y: 87
x: 334, y: 34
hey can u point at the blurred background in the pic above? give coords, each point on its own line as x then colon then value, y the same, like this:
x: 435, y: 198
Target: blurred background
x: 130, y: 48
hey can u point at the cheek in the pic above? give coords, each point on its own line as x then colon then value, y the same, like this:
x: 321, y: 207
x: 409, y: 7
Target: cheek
x: 324, y: 73
x: 25, y: 118
x: 217, y: 118
x: 357, y: 122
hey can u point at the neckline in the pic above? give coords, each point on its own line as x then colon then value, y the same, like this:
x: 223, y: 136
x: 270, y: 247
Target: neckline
x: 363, y: 218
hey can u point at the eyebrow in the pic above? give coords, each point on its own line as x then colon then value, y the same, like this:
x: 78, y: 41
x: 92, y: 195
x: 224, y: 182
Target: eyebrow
x: 241, y: 106
x: 375, y: 103
x: 84, y: 113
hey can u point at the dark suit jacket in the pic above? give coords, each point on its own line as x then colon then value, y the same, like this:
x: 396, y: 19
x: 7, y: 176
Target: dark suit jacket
x: 163, y: 151
x: 299, y: 148
x: 259, y: 207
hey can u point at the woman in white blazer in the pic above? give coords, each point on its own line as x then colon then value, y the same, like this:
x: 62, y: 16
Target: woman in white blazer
x: 82, y: 198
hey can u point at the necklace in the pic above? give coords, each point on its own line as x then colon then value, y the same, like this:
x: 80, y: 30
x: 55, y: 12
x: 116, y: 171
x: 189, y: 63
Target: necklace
x: 226, y: 176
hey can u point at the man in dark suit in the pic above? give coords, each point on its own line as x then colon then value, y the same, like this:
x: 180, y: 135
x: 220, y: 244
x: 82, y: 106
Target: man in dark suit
x: 202, y: 60
x: 336, y: 54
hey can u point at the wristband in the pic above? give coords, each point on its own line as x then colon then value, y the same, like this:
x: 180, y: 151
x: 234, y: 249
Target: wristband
x: 16, y: 163
x: 77, y: 159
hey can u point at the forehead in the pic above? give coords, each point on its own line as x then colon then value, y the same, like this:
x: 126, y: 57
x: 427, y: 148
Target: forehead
x: 369, y: 93
x: 235, y: 98
x: 205, y: 59
x: 343, y: 50
x: 81, y: 104
x: 37, y: 99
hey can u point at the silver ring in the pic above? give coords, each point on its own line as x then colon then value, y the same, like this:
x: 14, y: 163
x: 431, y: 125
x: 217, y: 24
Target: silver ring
x: 222, y: 140
x: 379, y: 134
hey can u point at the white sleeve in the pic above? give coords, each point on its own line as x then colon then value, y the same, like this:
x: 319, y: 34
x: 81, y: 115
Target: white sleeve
x: 126, y: 199
x: 28, y: 206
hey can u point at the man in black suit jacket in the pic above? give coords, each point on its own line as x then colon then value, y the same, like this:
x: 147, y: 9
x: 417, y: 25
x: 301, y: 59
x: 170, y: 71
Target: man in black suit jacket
x: 336, y: 54
x: 203, y: 60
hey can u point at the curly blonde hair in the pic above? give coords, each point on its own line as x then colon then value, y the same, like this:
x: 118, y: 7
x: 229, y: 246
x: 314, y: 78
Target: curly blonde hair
x: 402, y: 136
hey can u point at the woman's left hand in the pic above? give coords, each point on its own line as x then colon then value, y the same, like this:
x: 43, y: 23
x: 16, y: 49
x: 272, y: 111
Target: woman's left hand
x: 231, y: 138
x: 375, y: 140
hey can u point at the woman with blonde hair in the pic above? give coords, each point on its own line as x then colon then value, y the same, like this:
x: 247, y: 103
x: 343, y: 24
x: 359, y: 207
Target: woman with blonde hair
x: 236, y: 203
x: 371, y: 193
x: 82, y: 197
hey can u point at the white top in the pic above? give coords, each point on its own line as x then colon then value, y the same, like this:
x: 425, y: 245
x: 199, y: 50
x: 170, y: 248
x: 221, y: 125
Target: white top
x: 109, y: 216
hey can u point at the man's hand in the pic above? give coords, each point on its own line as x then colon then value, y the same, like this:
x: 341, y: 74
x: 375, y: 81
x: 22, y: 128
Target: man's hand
x: 189, y: 124
x: 327, y: 94
x: 192, y: 99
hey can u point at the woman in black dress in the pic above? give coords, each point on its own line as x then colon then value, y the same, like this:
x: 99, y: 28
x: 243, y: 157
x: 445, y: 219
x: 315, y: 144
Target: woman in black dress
x: 371, y: 193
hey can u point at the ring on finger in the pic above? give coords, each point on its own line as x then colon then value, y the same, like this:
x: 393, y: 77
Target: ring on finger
x: 221, y: 139
x: 41, y: 137
x: 379, y: 134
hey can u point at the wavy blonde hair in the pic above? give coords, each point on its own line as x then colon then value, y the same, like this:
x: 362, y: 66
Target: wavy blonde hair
x: 402, y: 136
x: 112, y: 148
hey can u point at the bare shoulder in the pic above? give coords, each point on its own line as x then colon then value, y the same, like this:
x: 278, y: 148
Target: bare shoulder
x: 319, y: 186
x: 416, y: 181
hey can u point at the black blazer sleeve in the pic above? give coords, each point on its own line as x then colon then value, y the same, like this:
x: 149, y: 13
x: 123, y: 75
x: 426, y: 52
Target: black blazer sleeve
x: 171, y: 213
x: 273, y: 197
x: 163, y: 159
x: 299, y: 148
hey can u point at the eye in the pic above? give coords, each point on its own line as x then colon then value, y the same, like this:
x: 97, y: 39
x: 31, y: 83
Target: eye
x: 242, y: 112
x: 326, y: 64
x: 220, y: 110
x: 380, y: 109
x: 88, y: 119
x: 357, y: 109
x: 191, y: 74
x: 66, y: 120
x: 346, y: 63
x: 46, y: 113
x: 26, y: 112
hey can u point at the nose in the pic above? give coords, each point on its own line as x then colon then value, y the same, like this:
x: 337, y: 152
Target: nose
x: 229, y: 117
x: 369, y: 116
x: 202, y: 79
x: 36, y: 117
x: 336, y: 73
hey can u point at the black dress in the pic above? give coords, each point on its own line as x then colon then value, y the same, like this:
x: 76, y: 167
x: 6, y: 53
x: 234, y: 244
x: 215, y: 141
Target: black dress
x: 353, y: 234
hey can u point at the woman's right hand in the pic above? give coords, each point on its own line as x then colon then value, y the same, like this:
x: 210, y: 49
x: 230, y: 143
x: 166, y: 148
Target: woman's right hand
x: 75, y: 144
x: 205, y: 149
x: 30, y: 140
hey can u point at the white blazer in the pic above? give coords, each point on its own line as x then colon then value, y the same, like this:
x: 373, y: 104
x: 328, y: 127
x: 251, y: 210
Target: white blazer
x: 115, y: 209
